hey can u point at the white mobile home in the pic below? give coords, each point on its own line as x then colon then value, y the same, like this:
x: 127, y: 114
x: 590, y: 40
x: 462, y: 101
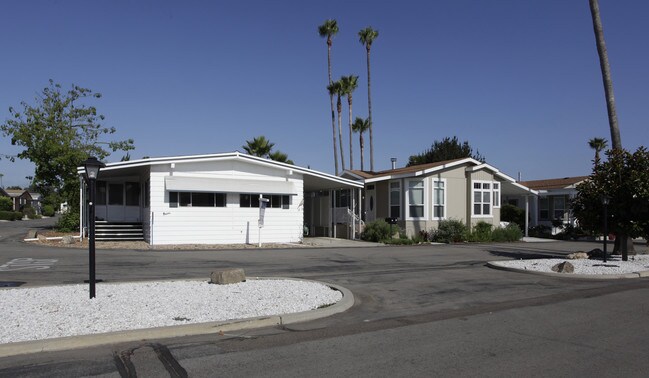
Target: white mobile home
x: 215, y: 199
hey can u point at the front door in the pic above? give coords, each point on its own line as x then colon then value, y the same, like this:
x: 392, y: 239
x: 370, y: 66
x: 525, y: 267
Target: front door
x: 370, y: 203
x: 118, y: 201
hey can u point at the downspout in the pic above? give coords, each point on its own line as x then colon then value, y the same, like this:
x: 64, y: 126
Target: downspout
x: 81, y: 208
x: 527, y: 215
x: 351, y: 194
x: 333, y: 213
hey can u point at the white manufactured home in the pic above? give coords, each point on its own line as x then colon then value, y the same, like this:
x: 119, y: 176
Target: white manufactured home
x: 215, y: 199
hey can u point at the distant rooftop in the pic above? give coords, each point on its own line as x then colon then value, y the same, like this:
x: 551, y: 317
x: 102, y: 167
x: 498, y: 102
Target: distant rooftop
x: 556, y: 183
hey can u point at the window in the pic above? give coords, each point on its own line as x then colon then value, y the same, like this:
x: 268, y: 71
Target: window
x: 395, y: 199
x: 496, y: 194
x: 274, y: 200
x: 196, y: 199
x: 416, y: 198
x: 101, y: 193
x: 559, y: 207
x: 482, y: 198
x: 544, y: 209
x: 132, y: 194
x: 439, y: 199
x: 115, y: 194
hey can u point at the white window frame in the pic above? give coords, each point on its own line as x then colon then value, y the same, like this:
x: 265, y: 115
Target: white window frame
x: 424, y: 194
x: 482, y: 191
x: 563, y: 208
x: 433, y: 198
x: 390, y: 190
x: 495, y: 198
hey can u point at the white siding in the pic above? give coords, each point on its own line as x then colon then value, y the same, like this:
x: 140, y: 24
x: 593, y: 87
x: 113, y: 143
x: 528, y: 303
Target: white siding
x: 224, y: 225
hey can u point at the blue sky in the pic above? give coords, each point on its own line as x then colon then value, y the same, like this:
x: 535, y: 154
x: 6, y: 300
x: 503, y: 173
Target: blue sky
x: 519, y: 80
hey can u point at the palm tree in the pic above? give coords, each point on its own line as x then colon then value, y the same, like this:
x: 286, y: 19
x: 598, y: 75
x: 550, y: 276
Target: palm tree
x: 366, y: 37
x: 598, y: 144
x: 280, y: 156
x: 259, y: 146
x: 349, y: 85
x: 328, y: 29
x: 336, y: 88
x: 606, y: 74
x: 359, y: 126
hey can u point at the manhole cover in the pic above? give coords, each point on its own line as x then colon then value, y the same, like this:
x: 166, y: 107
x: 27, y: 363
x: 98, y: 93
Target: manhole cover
x: 10, y: 283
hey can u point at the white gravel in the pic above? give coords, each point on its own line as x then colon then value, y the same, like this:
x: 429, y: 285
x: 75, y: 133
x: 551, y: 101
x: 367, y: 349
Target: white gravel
x: 613, y: 265
x: 57, y: 311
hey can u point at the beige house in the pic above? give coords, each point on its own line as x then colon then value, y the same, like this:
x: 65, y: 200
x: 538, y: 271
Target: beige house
x: 419, y: 197
x: 553, y: 201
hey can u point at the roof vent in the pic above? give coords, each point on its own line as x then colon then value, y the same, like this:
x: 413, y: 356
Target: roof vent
x: 394, y: 163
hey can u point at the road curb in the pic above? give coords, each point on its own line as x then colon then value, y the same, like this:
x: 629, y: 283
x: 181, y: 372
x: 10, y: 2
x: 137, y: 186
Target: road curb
x: 85, y: 341
x: 496, y: 265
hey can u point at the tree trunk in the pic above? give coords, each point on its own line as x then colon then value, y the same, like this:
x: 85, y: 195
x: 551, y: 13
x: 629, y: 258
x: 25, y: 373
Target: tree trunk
x: 623, y: 245
x: 340, y: 132
x: 360, y: 133
x: 369, y: 109
x: 331, y: 99
x: 351, y: 153
x: 606, y: 74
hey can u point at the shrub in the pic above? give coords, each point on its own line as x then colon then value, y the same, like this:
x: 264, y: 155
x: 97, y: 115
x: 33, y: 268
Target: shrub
x: 481, y: 232
x: 450, y: 231
x: 376, y: 231
x: 511, y: 213
x: 48, y: 210
x: 68, y: 222
x: 6, y: 204
x: 29, y: 212
x: 10, y: 215
x: 512, y: 232
x: 399, y: 241
x: 540, y: 231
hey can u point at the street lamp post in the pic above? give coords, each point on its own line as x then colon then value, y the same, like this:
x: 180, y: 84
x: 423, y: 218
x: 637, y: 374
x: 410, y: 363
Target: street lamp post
x: 605, y: 202
x: 92, y: 167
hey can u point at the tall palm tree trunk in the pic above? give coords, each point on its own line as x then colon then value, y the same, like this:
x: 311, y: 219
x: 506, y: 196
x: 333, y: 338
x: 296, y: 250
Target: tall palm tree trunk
x: 339, y: 105
x: 362, y: 144
x: 606, y: 75
x: 369, y: 109
x: 331, y: 99
x: 351, y: 153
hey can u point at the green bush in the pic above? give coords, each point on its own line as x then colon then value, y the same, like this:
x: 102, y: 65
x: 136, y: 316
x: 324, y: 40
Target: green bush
x: 540, y: 231
x: 6, y: 204
x: 376, y: 231
x: 48, y: 210
x: 29, y: 212
x: 450, y: 231
x: 481, y: 232
x: 11, y: 215
x: 511, y: 213
x: 512, y: 232
x: 399, y: 241
x: 69, y: 222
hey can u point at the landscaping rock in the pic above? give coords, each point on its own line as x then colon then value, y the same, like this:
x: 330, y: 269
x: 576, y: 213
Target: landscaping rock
x: 564, y: 267
x: 67, y: 239
x: 227, y: 276
x: 578, y: 255
x: 596, y: 254
x: 32, y: 234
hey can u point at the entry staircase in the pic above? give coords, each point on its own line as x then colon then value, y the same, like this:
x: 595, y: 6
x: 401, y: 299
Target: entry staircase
x: 116, y: 231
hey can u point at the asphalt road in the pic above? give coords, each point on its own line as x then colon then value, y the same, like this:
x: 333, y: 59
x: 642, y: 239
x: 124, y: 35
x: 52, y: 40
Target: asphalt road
x: 420, y: 311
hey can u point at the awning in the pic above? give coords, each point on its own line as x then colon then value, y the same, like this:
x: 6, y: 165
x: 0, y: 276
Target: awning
x: 206, y: 184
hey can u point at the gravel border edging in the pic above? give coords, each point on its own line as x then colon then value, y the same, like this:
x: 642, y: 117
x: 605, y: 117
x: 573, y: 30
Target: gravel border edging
x: 496, y: 265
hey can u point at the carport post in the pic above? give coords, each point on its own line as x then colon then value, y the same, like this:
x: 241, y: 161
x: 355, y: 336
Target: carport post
x: 527, y: 215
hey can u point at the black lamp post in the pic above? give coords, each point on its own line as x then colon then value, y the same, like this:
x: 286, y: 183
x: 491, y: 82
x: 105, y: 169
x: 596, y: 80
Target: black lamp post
x: 92, y: 167
x: 605, y: 202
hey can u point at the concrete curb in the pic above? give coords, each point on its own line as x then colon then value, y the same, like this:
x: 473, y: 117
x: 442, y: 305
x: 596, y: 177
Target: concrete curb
x: 496, y: 265
x: 85, y: 341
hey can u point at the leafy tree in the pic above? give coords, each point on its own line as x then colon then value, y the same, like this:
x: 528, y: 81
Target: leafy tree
x: 359, y: 126
x: 606, y: 74
x: 337, y: 88
x: 6, y: 204
x: 262, y: 147
x: 328, y: 29
x: 366, y: 37
x: 624, y: 179
x: 349, y: 85
x: 14, y: 187
x: 447, y: 149
x: 58, y: 132
x: 598, y: 144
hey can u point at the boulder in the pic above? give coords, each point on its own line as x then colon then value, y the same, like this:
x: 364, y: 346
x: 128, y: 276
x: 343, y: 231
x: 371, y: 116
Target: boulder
x: 67, y: 239
x: 596, y: 254
x: 32, y: 234
x: 578, y: 255
x: 564, y: 267
x: 227, y: 276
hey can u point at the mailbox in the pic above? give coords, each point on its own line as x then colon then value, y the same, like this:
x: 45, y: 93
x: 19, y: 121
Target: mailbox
x: 391, y: 220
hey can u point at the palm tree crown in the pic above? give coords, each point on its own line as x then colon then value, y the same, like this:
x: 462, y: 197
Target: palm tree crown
x: 259, y: 146
x: 598, y: 144
x: 359, y: 126
x: 366, y: 37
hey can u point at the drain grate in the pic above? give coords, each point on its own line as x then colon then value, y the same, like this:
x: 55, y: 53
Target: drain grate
x: 10, y: 283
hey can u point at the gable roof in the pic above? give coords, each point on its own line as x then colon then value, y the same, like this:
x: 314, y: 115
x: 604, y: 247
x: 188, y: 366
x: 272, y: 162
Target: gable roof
x: 556, y: 183
x: 313, y: 180
x: 14, y: 193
